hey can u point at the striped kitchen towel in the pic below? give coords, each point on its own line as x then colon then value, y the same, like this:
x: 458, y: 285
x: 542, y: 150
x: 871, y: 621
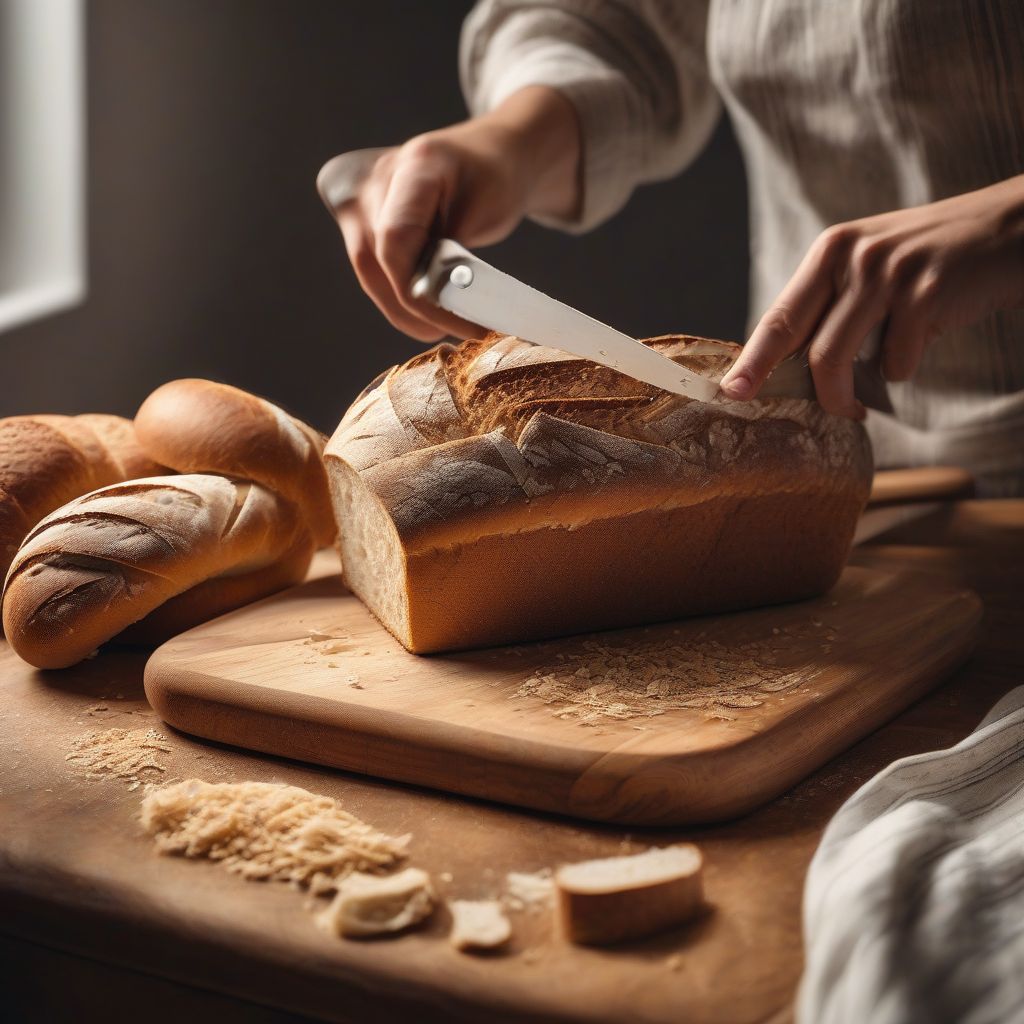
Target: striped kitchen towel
x: 914, y: 903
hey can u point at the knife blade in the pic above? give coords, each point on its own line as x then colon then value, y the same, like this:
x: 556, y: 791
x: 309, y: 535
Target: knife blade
x: 458, y: 280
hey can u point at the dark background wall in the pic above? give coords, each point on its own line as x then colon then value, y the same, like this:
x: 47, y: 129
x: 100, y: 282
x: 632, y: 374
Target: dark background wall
x: 210, y: 254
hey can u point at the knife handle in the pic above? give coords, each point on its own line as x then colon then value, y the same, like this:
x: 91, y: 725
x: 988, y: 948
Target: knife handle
x: 442, y: 261
x: 342, y: 176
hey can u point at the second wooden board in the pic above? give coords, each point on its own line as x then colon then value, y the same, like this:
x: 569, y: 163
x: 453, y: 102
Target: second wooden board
x: 684, y: 722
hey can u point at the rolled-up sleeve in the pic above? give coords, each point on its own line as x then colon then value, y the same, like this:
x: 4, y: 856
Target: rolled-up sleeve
x: 635, y: 72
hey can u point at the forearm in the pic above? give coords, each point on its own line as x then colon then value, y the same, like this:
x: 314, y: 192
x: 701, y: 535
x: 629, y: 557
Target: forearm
x: 543, y: 140
x: 634, y: 74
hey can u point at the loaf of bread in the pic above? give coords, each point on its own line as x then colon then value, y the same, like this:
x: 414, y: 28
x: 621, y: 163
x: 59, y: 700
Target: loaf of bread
x: 111, y: 558
x: 617, y: 898
x: 46, y: 461
x: 497, y: 491
x: 198, y: 426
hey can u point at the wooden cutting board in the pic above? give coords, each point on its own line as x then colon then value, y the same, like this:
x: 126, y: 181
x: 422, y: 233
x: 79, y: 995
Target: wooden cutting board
x: 704, y: 719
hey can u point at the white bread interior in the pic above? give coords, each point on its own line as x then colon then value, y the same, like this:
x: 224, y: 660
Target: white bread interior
x: 629, y: 897
x: 478, y: 924
x: 367, y: 905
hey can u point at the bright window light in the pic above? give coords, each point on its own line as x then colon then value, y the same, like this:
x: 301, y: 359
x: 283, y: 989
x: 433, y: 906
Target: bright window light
x: 42, y: 171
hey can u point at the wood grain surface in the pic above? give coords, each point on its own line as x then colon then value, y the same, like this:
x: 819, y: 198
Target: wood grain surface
x: 922, y: 483
x: 309, y: 674
x: 78, y: 876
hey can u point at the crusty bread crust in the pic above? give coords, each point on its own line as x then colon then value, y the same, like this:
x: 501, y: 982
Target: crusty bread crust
x: 220, y: 595
x: 198, y: 426
x: 109, y: 558
x: 46, y: 461
x: 614, y: 899
x: 536, y: 494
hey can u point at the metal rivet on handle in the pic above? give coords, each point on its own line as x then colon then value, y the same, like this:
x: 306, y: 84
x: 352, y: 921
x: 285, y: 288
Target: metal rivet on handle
x: 461, y: 276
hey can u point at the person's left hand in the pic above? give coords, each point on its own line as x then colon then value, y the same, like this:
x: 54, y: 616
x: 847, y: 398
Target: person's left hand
x: 912, y: 273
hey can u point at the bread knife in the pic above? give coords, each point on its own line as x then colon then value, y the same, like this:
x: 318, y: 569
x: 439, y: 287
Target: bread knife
x: 457, y: 280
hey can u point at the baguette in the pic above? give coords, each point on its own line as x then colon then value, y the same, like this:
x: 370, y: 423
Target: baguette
x: 46, y: 461
x: 198, y: 426
x: 110, y: 558
x: 220, y: 595
x: 496, y: 491
x: 604, y: 901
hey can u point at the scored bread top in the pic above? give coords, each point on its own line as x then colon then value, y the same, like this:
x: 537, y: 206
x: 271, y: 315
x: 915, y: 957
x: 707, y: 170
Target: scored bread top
x: 499, y: 435
x: 200, y: 426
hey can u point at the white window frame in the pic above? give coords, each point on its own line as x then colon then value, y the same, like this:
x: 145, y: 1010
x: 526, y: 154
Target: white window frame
x: 42, y: 158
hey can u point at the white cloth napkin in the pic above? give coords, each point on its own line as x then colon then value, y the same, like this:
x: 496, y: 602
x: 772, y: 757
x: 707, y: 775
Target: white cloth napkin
x: 914, y: 903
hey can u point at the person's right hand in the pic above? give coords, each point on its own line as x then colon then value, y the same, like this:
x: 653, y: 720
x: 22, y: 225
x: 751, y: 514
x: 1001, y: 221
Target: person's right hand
x: 474, y: 182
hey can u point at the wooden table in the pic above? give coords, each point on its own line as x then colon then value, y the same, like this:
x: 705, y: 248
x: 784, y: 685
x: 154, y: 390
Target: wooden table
x: 91, y: 920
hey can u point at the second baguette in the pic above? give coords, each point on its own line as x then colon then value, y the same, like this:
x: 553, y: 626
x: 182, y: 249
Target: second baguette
x: 199, y: 426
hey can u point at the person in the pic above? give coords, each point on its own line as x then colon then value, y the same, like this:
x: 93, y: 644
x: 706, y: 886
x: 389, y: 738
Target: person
x: 884, y: 148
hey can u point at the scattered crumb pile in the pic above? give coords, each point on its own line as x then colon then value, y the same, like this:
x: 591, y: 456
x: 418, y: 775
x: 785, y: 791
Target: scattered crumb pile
x: 528, y: 891
x: 640, y: 676
x: 267, y: 832
x: 120, y: 754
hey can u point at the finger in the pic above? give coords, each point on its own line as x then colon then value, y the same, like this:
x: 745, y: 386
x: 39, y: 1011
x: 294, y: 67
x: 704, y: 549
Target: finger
x: 906, y: 337
x: 835, y: 346
x: 373, y: 280
x: 413, y: 205
x: 786, y: 326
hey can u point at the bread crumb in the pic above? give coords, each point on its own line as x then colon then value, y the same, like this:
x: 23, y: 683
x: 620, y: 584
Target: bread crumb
x: 316, y: 635
x: 267, y: 832
x: 368, y: 905
x: 478, y: 925
x: 638, y: 675
x: 529, y: 891
x: 119, y: 754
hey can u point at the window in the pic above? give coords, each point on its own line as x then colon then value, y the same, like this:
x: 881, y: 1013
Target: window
x: 42, y: 173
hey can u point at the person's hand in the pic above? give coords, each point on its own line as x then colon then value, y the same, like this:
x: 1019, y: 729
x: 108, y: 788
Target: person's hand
x: 473, y: 182
x: 912, y: 273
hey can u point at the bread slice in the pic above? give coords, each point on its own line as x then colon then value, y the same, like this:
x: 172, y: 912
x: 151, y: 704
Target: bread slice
x: 478, y: 925
x: 618, y: 898
x: 367, y: 905
x: 497, y: 491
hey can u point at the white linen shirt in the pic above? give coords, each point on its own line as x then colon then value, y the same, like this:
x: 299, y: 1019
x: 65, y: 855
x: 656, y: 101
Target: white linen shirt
x: 842, y: 109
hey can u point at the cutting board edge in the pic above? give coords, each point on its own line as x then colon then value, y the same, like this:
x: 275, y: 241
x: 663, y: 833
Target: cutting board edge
x: 566, y: 772
x: 870, y: 716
